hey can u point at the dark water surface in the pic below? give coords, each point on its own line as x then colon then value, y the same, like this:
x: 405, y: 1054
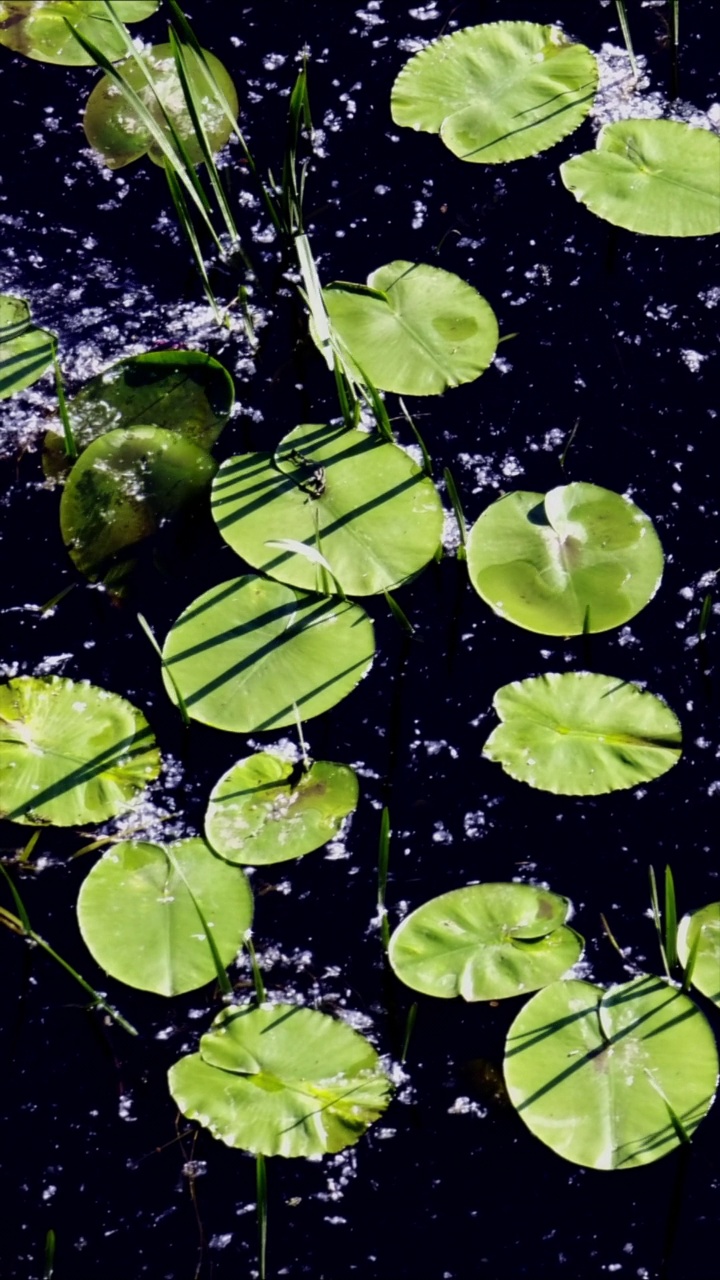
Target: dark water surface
x: 614, y: 332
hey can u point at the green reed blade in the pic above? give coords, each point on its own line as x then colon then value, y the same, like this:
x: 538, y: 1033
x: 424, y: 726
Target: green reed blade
x: 655, y: 904
x: 220, y: 970
x: 671, y: 922
x: 49, y: 1258
x: 409, y: 1028
x: 71, y: 450
x: 261, y: 1185
x: 457, y: 509
x: 398, y: 614
x: 182, y: 707
x: 427, y: 460
x: 383, y: 856
x: 625, y: 28
x: 260, y: 992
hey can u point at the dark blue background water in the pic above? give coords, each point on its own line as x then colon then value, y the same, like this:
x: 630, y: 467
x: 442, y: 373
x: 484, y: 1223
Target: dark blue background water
x: 438, y: 1189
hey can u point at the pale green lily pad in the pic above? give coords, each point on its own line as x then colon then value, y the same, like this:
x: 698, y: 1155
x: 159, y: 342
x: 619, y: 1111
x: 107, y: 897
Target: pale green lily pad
x: 414, y: 329
x: 184, y: 391
x: 114, y: 128
x: 655, y: 177
x: 363, y: 503
x: 485, y: 942
x: 706, y: 970
x: 253, y: 654
x: 70, y: 753
x: 38, y: 29
x: 282, y: 1080
x: 610, y: 1079
x: 580, y: 734
x: 258, y: 814
x: 25, y: 351
x: 577, y: 559
x: 497, y: 92
x: 138, y: 918
x: 126, y: 486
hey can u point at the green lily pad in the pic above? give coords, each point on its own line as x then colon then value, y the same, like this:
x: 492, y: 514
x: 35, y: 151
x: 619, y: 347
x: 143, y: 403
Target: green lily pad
x: 257, y: 814
x: 579, y: 734
x: 706, y: 970
x: 25, y: 351
x: 611, y: 1079
x: 497, y: 92
x: 138, y: 918
x: 252, y: 654
x: 580, y: 558
x: 183, y: 391
x: 70, y: 753
x: 38, y: 29
x: 656, y: 177
x: 485, y: 942
x: 416, y: 330
x: 126, y: 486
x: 113, y: 126
x: 365, y: 504
x: 281, y: 1080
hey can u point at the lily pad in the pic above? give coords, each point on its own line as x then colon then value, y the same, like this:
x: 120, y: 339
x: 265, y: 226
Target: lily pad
x: 706, y: 970
x: 497, y: 92
x: 485, y: 942
x: 114, y: 128
x: 252, y: 654
x: 25, y: 351
x: 39, y: 30
x: 184, y: 391
x: 580, y: 558
x: 579, y: 734
x: 257, y: 814
x: 126, y: 486
x: 611, y: 1079
x: 70, y: 753
x: 414, y: 329
x: 138, y: 918
x: 655, y: 177
x: 282, y: 1080
x: 365, y: 504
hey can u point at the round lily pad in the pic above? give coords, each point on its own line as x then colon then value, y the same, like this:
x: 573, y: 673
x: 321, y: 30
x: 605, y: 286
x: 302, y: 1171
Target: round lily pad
x: 138, y: 915
x: 497, y: 92
x: 363, y: 503
x: 115, y: 129
x: 183, y: 391
x: 656, y: 177
x: 485, y: 942
x: 611, y: 1079
x: 25, y: 351
x: 578, y: 559
x: 415, y: 329
x: 252, y: 654
x: 70, y: 753
x: 580, y: 734
x: 127, y: 485
x: 39, y: 30
x: 258, y: 814
x: 282, y: 1080
x: 700, y: 932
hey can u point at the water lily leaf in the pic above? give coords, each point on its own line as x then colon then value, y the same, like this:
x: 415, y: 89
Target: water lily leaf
x: 70, y: 753
x: 247, y: 653
x: 127, y: 484
x: 114, y: 128
x: 184, y: 391
x: 580, y: 558
x: 701, y: 932
x: 258, y: 814
x: 416, y: 330
x: 364, y: 504
x: 38, y: 29
x: 611, y: 1079
x: 656, y: 177
x: 282, y: 1080
x: 138, y: 918
x: 497, y: 92
x: 25, y: 351
x: 485, y: 942
x: 579, y: 734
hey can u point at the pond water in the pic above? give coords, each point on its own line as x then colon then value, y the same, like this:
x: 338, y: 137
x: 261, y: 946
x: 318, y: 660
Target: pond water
x: 612, y: 337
